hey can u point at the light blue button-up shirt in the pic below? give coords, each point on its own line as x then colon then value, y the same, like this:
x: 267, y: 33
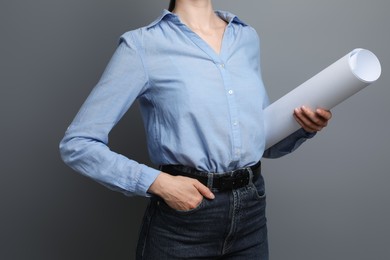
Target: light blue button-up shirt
x: 200, y: 108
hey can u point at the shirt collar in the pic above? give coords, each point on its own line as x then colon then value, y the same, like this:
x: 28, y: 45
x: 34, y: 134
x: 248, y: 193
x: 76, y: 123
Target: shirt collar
x: 229, y: 17
x: 226, y: 16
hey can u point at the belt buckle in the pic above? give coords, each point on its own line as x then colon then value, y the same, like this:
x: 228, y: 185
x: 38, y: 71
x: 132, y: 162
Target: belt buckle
x: 235, y: 181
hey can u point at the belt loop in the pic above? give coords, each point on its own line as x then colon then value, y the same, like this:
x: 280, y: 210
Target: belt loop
x: 250, y: 174
x: 210, y: 180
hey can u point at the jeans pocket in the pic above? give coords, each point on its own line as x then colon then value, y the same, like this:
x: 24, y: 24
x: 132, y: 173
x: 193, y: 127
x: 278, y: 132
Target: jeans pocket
x: 165, y: 207
x: 259, y: 188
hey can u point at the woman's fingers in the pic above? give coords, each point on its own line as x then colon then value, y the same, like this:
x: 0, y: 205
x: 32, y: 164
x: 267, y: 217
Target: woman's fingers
x: 312, y: 121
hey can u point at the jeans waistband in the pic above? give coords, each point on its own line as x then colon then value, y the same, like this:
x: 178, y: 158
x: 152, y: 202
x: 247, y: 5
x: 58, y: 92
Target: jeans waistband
x: 219, y: 181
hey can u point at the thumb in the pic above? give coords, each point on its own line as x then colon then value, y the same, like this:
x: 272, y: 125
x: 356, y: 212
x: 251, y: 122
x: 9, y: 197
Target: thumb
x: 206, y: 192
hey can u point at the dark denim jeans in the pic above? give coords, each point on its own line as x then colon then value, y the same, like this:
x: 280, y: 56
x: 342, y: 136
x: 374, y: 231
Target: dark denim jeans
x: 232, y: 226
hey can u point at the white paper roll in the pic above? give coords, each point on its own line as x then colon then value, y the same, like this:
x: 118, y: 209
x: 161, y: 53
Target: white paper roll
x: 342, y: 79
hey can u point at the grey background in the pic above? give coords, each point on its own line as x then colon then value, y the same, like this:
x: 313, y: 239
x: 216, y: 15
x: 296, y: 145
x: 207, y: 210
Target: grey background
x: 328, y: 200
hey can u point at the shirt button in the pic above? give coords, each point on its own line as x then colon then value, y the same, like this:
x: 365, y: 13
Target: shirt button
x: 230, y: 92
x: 235, y: 123
x: 222, y: 65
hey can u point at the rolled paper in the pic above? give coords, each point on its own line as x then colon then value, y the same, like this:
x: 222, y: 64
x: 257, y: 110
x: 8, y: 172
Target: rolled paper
x: 334, y: 84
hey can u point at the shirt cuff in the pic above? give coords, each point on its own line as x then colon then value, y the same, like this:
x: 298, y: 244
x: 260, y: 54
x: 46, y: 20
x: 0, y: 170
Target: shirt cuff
x: 147, y: 176
x: 307, y: 134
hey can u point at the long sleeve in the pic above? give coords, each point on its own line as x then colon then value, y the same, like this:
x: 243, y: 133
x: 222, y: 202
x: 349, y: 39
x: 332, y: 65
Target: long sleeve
x: 288, y: 144
x: 84, y: 146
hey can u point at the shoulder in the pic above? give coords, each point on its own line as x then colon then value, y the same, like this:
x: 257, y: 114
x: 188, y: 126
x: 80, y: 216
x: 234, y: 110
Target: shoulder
x: 130, y: 37
x: 236, y: 22
x: 148, y: 33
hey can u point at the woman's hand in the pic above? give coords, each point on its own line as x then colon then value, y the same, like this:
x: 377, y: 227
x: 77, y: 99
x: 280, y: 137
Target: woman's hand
x: 180, y: 193
x: 312, y: 121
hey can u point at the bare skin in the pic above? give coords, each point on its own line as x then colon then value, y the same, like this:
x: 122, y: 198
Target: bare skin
x: 312, y: 121
x: 200, y: 17
x: 183, y: 193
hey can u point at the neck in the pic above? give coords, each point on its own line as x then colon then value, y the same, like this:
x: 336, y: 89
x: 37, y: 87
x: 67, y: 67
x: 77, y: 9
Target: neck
x: 196, y: 13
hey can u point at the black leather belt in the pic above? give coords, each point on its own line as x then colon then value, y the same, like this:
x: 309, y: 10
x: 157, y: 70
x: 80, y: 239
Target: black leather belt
x: 220, y: 181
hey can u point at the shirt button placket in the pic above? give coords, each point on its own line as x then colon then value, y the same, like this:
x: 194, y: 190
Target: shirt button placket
x: 233, y: 112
